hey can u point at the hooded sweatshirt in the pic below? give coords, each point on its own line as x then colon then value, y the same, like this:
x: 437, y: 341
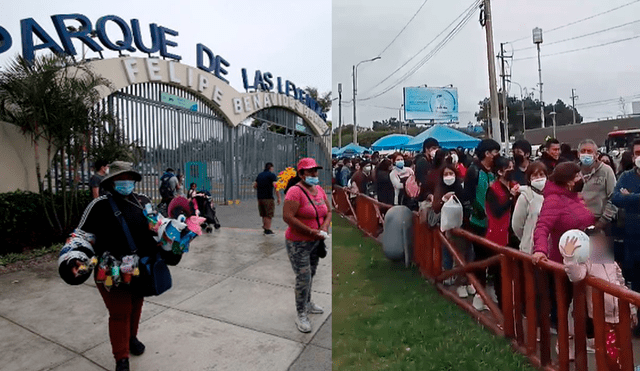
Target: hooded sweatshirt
x: 561, y: 211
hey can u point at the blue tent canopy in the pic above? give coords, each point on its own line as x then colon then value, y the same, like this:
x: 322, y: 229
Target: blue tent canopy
x: 391, y: 141
x: 334, y: 150
x: 446, y: 136
x: 351, y: 149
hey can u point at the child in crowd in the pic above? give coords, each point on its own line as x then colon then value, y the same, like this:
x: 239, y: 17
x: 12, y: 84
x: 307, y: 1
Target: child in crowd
x: 599, y: 264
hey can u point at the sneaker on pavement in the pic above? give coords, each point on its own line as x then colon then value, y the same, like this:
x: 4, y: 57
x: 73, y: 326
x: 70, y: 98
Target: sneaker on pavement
x: 268, y: 232
x: 122, y: 365
x: 136, y: 347
x: 478, y: 303
x: 462, y: 292
x: 314, y: 308
x: 302, y: 321
x: 471, y: 290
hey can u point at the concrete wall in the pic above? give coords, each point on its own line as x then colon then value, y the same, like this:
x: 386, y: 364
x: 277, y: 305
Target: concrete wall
x: 17, y: 160
x: 574, y: 134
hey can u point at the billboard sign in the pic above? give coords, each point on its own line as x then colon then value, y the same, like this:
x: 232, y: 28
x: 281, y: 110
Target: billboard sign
x: 437, y: 104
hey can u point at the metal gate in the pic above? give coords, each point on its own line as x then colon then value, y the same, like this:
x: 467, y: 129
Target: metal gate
x: 200, y: 146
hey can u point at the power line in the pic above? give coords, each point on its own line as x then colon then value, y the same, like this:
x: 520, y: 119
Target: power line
x: 606, y: 101
x: 403, y: 28
x: 431, y: 54
x: 581, y: 20
x: 426, y: 46
x: 585, y: 48
x: 581, y: 36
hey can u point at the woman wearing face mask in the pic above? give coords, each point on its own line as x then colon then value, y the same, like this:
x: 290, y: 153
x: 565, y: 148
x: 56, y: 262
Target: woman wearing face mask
x: 383, y: 185
x: 562, y: 209
x: 528, y: 205
x: 455, y: 159
x: 101, y: 225
x: 308, y: 224
x: 500, y: 197
x: 450, y: 185
x: 398, y: 175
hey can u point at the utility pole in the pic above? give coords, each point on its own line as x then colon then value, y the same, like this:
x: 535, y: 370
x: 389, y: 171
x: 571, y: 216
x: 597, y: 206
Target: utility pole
x: 537, y: 39
x: 339, y: 115
x: 355, y: 127
x: 493, y: 91
x: 573, y: 104
x: 504, y: 100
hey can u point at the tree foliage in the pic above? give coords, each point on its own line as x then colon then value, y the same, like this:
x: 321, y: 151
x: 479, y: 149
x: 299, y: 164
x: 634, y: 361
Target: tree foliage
x: 564, y: 115
x: 56, y: 100
x: 323, y: 99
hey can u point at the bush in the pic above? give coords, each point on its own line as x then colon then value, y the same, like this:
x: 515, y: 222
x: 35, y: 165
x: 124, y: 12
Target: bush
x: 25, y: 224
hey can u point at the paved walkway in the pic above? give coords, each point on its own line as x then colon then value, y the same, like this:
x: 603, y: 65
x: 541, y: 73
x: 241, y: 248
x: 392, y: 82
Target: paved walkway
x: 231, y: 308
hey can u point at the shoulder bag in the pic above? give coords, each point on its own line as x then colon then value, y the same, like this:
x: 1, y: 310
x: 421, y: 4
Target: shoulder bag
x: 322, y: 247
x: 155, y: 277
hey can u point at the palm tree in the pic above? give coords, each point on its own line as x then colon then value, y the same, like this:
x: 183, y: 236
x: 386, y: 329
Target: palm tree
x: 54, y: 99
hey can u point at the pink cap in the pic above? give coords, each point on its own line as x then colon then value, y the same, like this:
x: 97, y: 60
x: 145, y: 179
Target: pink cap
x: 308, y: 163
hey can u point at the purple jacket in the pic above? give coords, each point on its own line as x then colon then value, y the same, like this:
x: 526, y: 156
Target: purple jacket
x: 561, y: 211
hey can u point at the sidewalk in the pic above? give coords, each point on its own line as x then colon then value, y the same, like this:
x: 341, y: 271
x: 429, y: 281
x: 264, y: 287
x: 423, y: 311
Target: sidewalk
x: 231, y: 308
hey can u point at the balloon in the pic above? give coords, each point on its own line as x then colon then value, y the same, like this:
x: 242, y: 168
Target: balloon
x: 581, y: 253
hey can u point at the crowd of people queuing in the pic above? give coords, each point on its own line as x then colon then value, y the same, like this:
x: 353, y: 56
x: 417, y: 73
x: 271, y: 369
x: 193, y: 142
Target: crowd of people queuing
x: 520, y: 202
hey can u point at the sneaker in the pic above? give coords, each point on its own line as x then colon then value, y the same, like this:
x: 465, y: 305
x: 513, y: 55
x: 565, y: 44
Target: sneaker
x: 302, y: 321
x: 471, y: 290
x: 449, y: 281
x: 314, y: 308
x: 122, y: 365
x: 462, y: 292
x: 136, y: 347
x: 591, y: 345
x: 478, y: 303
x: 268, y: 232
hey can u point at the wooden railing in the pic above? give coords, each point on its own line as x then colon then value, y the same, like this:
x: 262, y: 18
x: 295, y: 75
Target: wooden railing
x: 525, y: 293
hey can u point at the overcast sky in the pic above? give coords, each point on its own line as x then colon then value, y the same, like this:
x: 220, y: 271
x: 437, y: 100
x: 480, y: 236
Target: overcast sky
x: 363, y: 28
x: 288, y: 38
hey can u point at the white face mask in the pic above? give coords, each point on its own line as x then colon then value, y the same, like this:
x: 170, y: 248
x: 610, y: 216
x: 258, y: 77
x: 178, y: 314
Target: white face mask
x: 433, y: 153
x: 454, y: 158
x: 366, y: 170
x: 449, y: 180
x: 637, y: 162
x: 539, y: 183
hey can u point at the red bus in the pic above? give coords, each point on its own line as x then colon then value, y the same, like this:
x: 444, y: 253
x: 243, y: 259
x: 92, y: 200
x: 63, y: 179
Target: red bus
x: 621, y: 140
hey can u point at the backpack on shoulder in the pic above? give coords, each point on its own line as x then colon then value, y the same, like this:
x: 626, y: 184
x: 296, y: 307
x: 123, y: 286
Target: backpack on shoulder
x: 165, y: 187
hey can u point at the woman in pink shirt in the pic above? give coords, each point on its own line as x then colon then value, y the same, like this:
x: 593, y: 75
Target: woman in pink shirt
x: 307, y: 212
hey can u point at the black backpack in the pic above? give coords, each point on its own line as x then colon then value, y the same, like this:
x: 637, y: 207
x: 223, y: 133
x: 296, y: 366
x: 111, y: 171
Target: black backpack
x: 165, y: 187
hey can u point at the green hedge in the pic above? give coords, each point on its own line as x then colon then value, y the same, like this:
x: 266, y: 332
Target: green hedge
x: 24, y: 223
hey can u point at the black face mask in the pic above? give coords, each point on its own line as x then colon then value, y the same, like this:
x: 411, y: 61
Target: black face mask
x: 508, y: 175
x: 518, y: 159
x: 578, y: 186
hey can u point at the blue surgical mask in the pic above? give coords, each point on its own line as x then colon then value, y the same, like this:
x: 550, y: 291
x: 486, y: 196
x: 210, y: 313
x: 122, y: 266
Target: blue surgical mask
x: 586, y: 159
x: 312, y: 180
x: 399, y: 164
x: 124, y: 187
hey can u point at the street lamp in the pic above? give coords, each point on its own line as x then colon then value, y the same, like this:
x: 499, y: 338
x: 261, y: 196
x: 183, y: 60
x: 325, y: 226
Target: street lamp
x: 355, y: 88
x: 537, y: 39
x: 553, y: 116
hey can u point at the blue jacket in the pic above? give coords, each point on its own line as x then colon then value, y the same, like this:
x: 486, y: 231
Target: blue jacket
x: 630, y: 180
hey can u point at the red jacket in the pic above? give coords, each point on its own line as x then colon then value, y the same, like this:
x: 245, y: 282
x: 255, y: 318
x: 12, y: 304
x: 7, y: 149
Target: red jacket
x: 561, y: 211
x: 498, y: 206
